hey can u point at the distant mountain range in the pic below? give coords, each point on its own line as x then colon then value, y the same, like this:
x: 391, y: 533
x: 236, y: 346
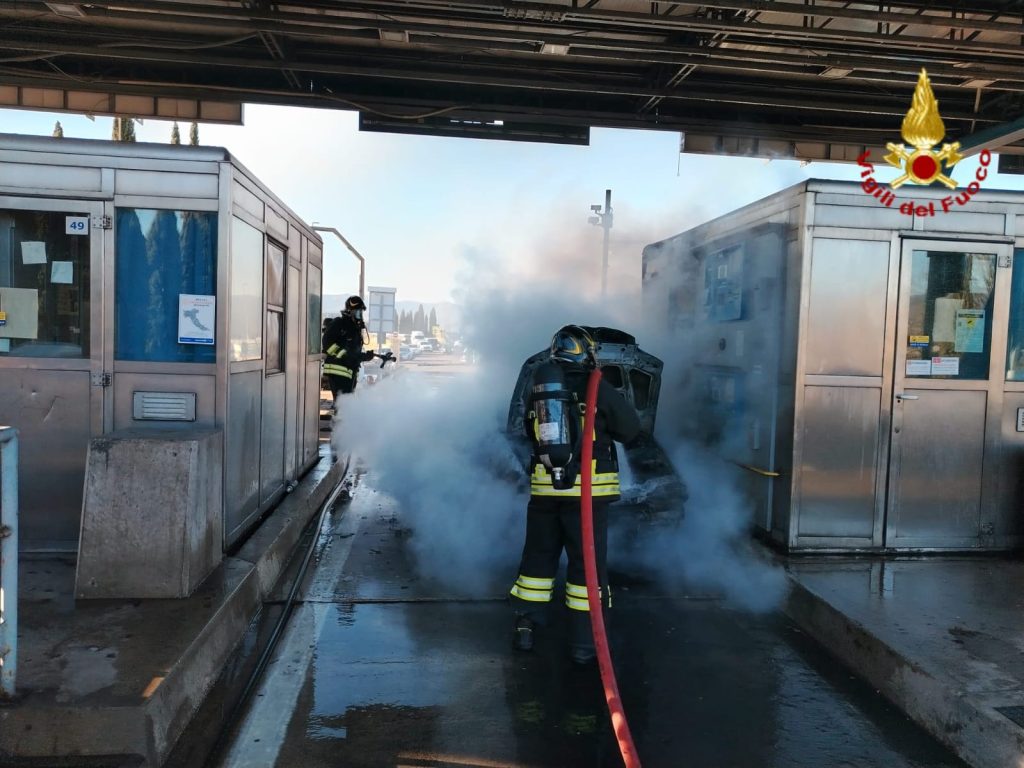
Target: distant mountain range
x: 449, y: 314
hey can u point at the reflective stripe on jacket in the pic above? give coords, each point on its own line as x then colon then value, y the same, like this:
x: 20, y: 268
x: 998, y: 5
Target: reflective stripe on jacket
x: 616, y: 420
x: 343, y: 345
x: 603, y: 483
x: 604, y: 472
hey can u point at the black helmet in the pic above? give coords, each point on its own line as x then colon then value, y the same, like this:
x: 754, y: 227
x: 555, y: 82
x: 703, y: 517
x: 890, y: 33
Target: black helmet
x: 352, y: 303
x: 574, y: 344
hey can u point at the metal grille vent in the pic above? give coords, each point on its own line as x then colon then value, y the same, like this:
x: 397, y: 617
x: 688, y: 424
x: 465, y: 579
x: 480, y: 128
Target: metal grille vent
x: 164, y: 406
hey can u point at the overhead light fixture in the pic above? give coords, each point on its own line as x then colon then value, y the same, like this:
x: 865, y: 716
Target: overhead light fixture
x: 394, y: 36
x: 66, y: 9
x: 555, y: 49
x: 834, y: 73
x: 976, y: 83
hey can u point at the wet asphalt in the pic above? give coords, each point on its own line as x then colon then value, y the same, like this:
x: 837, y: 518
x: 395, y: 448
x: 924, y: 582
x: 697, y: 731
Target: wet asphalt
x: 378, y: 667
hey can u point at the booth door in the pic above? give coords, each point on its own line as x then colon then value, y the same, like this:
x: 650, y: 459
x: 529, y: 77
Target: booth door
x: 51, y: 356
x: 950, y: 345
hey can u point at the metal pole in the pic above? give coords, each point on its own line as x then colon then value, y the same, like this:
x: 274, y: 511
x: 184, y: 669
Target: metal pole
x: 606, y: 224
x: 8, y: 560
x: 357, y: 254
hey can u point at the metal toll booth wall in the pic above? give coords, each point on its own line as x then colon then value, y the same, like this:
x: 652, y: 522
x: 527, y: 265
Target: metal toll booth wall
x: 153, y: 290
x: 862, y: 362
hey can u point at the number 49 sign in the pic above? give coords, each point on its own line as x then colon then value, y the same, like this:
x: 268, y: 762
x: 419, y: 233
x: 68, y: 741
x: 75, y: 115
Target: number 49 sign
x: 76, y: 225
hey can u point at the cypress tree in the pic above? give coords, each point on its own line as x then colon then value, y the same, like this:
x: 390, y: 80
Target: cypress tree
x: 175, y: 134
x: 124, y: 129
x: 58, y: 131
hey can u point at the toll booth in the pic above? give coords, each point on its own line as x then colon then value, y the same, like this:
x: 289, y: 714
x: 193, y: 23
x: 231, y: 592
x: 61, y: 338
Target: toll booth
x: 864, y: 363
x: 153, y: 290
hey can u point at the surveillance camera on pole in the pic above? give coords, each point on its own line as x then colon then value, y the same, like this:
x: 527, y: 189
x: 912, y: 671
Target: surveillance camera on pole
x: 604, y: 218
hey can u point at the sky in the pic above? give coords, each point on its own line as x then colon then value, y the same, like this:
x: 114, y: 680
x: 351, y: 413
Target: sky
x: 426, y: 211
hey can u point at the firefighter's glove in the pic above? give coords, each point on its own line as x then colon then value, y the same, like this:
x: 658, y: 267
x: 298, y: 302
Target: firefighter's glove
x: 367, y: 356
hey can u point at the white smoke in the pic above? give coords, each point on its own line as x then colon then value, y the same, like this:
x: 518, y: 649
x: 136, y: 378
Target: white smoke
x: 439, y: 454
x: 712, y: 550
x: 441, y: 449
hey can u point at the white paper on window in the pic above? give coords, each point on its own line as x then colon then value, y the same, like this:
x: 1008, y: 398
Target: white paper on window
x: 33, y: 252
x: 62, y: 272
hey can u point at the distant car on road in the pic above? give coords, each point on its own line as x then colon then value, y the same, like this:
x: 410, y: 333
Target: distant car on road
x: 405, y: 352
x: 430, y: 345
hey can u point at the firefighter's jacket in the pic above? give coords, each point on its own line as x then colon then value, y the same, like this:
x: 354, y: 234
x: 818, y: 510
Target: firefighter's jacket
x: 343, y: 345
x: 616, y: 420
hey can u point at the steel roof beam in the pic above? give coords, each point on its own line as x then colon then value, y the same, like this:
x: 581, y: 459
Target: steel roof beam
x: 600, y: 17
x: 590, y: 114
x: 820, y: 10
x: 755, y: 93
x: 701, y: 55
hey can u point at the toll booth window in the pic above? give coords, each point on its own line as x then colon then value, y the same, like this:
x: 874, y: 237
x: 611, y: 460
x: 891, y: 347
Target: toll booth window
x: 613, y: 375
x: 641, y: 383
x: 949, y: 323
x: 44, y: 284
x: 1015, y: 336
x: 165, y: 278
x: 275, y: 341
x: 275, y: 308
x: 245, y: 318
x: 313, y: 310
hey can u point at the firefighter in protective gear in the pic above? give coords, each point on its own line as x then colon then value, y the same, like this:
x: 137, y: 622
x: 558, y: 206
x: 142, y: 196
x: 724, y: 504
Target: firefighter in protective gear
x: 343, y: 345
x: 553, y: 513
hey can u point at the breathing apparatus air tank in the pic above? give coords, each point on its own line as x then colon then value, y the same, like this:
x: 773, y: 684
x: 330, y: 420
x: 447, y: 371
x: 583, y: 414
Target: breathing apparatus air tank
x: 555, y: 413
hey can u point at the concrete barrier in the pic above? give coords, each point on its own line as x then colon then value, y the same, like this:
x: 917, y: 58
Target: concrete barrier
x: 152, y: 513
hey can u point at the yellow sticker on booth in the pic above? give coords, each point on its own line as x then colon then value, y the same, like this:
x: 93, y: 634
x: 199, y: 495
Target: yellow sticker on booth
x: 919, y: 339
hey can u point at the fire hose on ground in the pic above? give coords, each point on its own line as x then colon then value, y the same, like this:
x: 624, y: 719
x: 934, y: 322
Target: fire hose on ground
x: 604, y: 659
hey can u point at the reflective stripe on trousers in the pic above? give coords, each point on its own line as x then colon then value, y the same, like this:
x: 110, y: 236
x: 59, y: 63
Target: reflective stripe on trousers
x: 576, y: 596
x: 532, y: 589
x: 535, y: 590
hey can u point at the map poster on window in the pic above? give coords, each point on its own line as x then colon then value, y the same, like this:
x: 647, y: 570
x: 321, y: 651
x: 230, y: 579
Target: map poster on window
x: 970, y: 330
x: 197, y: 316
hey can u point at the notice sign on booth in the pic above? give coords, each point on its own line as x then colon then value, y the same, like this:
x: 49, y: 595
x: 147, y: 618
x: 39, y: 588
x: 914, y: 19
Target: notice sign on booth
x: 196, y: 318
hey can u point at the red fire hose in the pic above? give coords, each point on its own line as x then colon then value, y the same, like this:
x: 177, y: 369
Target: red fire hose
x: 604, y: 658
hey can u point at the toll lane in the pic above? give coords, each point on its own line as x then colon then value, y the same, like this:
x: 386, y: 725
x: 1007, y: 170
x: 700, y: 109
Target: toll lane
x: 381, y: 667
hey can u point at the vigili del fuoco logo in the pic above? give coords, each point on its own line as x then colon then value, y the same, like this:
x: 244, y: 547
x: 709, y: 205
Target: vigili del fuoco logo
x: 919, y: 163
